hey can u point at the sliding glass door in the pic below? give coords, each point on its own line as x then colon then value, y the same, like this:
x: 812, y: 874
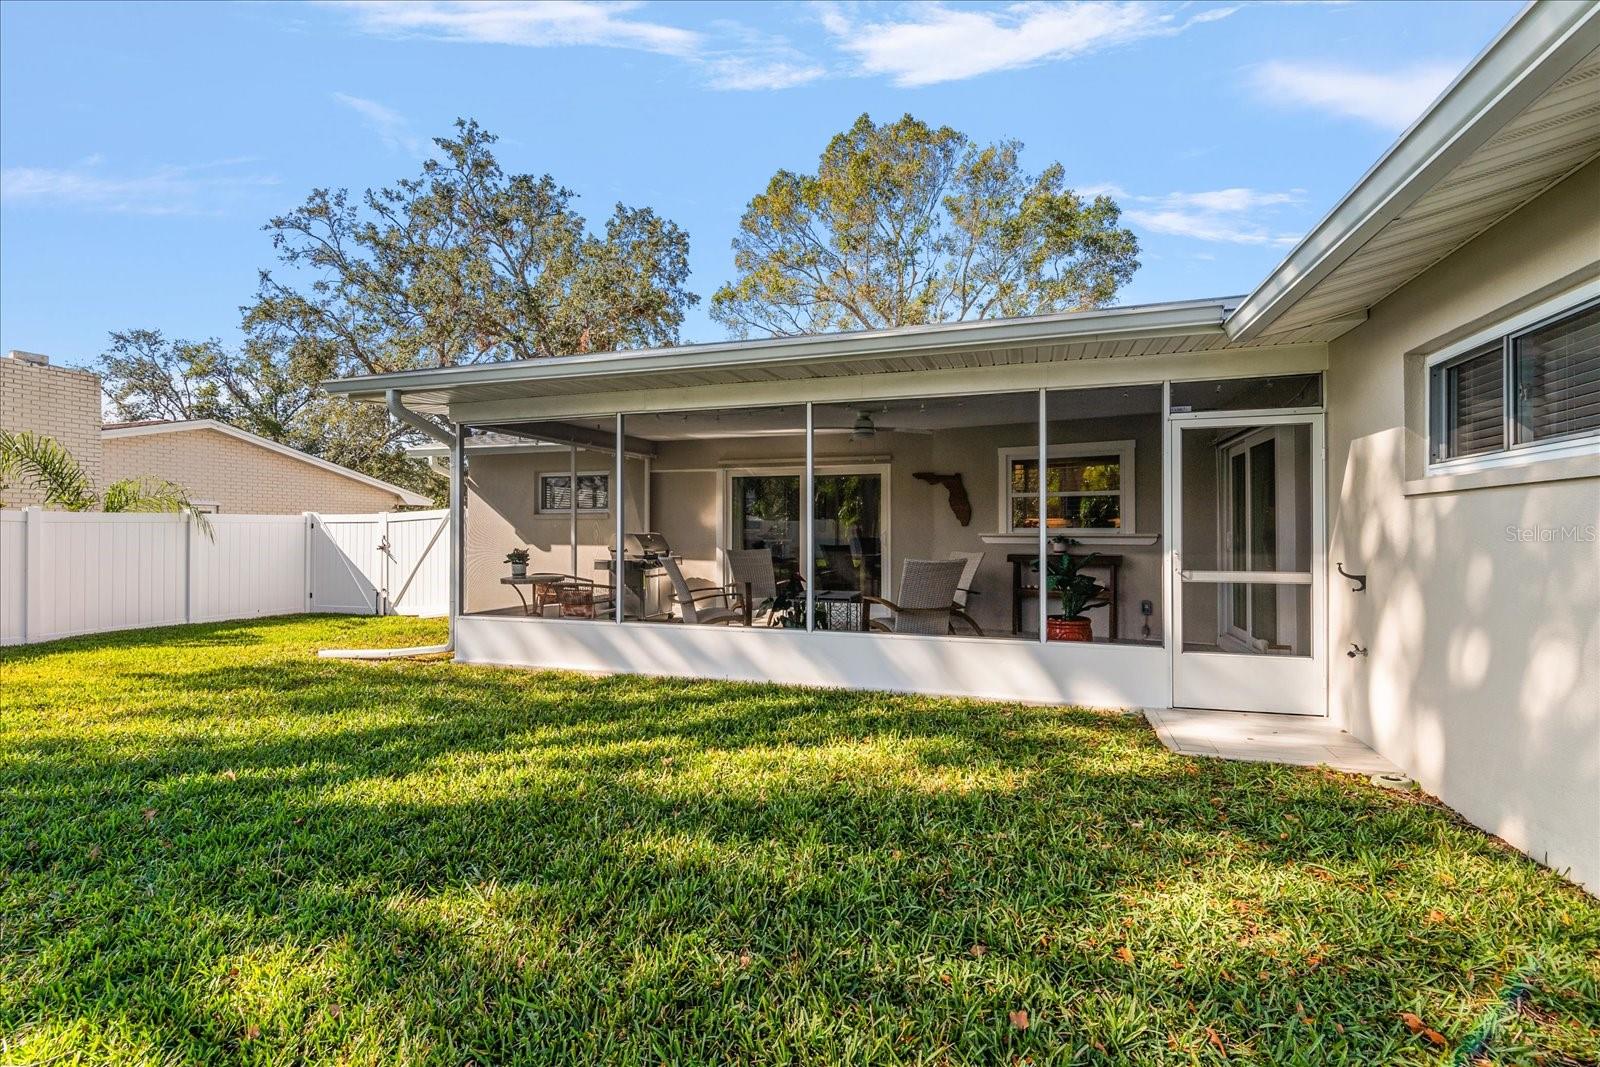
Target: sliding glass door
x: 849, y: 526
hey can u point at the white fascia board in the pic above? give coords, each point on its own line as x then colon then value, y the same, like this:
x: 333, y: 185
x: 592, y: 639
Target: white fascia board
x: 1194, y: 317
x: 406, y: 495
x: 1540, y: 46
x: 521, y: 448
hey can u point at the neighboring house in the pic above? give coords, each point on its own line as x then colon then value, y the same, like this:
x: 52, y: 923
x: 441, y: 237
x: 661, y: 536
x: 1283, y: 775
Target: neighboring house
x: 59, y: 402
x: 223, y: 468
x: 1368, y: 490
x: 233, y: 471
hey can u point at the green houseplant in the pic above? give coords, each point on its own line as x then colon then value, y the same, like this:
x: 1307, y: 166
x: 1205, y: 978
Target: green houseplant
x: 518, y: 558
x: 1078, y: 592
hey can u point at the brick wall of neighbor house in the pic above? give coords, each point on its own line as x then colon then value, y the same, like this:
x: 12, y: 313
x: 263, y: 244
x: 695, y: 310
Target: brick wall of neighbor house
x: 62, y: 402
x: 239, y: 477
x: 1483, y: 672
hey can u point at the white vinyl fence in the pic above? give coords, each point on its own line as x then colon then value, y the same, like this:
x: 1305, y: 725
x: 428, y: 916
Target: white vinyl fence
x: 66, y: 573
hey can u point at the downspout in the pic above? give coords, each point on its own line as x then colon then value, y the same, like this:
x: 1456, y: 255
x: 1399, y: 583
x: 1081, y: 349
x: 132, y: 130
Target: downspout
x: 457, y: 443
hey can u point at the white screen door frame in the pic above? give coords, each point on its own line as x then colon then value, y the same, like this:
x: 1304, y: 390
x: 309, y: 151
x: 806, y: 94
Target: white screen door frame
x: 1232, y: 675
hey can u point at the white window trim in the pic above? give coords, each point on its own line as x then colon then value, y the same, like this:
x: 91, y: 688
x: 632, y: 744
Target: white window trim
x: 539, y: 499
x: 1512, y: 455
x: 1124, y: 451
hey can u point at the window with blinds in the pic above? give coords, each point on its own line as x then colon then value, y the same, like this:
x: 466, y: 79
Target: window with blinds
x: 1553, y: 372
x: 555, y: 492
x: 1557, y: 371
x: 1471, y: 392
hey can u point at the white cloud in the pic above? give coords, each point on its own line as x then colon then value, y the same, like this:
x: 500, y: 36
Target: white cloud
x: 386, y: 122
x: 1222, y: 216
x: 733, y: 57
x: 198, y: 189
x: 932, y: 43
x: 1391, y: 99
x: 751, y: 59
x: 529, y: 23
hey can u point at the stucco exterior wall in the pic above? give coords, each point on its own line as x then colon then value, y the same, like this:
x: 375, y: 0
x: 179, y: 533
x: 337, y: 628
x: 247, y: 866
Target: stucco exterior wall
x: 503, y: 513
x: 1483, y: 675
x: 61, y: 402
x: 239, y: 477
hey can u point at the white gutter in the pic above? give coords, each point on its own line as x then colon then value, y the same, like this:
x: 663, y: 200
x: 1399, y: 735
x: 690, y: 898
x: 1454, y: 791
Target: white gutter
x: 1537, y: 50
x: 456, y: 441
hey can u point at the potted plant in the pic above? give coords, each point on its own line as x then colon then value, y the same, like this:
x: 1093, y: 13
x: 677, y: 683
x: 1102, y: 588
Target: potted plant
x: 788, y: 608
x: 518, y: 558
x: 1078, y: 591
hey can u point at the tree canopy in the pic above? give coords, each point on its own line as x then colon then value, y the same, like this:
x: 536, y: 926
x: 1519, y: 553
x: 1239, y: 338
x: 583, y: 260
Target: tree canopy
x: 466, y: 263
x: 904, y: 224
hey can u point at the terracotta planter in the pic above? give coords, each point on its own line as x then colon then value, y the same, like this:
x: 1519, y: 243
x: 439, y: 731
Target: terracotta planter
x: 1061, y: 628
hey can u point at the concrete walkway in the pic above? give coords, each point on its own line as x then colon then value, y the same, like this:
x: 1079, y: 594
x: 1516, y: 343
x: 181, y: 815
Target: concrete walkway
x: 1259, y: 738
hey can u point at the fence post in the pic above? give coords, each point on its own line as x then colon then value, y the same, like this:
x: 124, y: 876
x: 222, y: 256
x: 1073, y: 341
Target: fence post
x: 309, y: 601
x: 384, y: 556
x: 32, y: 554
x: 188, y: 567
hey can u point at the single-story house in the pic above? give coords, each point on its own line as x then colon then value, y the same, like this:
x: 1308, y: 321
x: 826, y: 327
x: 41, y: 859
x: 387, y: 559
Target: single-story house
x: 223, y: 468
x: 1367, y: 490
x: 226, y: 469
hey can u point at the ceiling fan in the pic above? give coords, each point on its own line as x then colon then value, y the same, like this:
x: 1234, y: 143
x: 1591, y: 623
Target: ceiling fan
x: 864, y: 428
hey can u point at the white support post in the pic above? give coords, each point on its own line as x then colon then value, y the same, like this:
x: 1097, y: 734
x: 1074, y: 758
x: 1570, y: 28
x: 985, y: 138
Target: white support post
x: 572, y: 506
x: 458, y: 522
x: 1044, y: 518
x: 33, y: 579
x: 619, y: 507
x: 807, y: 522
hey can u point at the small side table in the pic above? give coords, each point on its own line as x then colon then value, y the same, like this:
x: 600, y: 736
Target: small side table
x: 539, y: 582
x: 842, y: 609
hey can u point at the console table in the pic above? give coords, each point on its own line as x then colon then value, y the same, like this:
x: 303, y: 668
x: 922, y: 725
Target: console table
x: 1023, y: 563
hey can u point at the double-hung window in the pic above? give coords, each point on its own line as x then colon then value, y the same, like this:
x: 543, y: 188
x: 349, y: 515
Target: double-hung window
x: 1088, y: 488
x: 1532, y: 389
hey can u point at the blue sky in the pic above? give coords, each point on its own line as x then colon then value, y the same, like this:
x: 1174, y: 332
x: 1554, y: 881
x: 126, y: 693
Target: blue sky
x: 142, y: 146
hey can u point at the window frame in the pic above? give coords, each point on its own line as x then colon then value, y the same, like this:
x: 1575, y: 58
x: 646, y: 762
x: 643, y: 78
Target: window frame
x: 546, y: 475
x: 1507, y: 332
x: 1125, y: 453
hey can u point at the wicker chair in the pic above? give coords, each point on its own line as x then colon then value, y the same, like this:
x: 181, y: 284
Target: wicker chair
x: 927, y: 602
x: 964, y: 590
x: 754, y: 578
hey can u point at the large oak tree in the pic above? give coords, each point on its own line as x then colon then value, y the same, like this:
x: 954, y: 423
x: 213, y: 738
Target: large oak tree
x: 904, y: 224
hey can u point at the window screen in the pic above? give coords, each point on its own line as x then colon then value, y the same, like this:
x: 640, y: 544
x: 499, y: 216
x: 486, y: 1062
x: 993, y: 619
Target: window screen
x: 1557, y: 371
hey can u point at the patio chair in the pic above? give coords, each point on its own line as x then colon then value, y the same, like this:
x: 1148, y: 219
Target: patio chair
x: 754, y: 577
x: 691, y: 602
x: 973, y: 561
x: 927, y: 602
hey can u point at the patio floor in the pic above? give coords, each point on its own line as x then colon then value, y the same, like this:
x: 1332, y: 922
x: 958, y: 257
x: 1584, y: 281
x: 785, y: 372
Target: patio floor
x: 1262, y: 738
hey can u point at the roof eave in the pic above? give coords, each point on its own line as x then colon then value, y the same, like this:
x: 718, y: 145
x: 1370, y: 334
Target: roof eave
x: 1189, y: 318
x: 1544, y: 42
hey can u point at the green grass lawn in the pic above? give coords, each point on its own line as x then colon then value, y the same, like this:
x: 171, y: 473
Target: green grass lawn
x: 215, y: 847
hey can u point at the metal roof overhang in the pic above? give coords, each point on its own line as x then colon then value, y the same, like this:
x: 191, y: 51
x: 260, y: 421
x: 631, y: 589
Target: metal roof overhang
x: 1154, y: 329
x: 1523, y: 116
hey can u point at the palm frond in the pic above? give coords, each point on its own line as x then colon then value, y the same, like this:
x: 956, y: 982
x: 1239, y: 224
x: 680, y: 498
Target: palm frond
x: 45, y: 465
x: 153, y: 495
